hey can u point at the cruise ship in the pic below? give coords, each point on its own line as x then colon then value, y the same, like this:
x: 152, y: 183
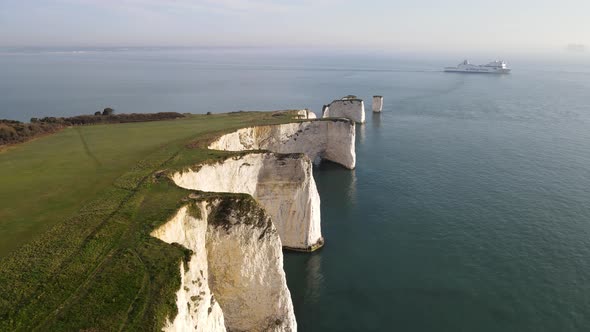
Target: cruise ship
x: 495, y: 67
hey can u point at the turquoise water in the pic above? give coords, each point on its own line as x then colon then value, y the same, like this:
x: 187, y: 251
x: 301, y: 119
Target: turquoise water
x: 469, y: 207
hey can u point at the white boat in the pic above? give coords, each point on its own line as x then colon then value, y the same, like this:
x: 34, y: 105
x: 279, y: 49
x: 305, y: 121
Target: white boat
x: 495, y: 67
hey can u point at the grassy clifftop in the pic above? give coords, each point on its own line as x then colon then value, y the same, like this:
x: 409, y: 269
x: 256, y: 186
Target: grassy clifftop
x: 75, y: 216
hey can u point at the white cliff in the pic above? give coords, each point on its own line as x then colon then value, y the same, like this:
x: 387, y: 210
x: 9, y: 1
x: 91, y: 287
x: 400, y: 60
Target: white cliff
x: 194, y: 297
x: 377, y: 104
x: 331, y: 139
x: 305, y: 115
x: 349, y: 107
x: 282, y: 184
x: 234, y: 280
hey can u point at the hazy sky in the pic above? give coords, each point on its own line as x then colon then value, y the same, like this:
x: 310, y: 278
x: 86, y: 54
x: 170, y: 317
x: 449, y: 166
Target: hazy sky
x: 378, y: 24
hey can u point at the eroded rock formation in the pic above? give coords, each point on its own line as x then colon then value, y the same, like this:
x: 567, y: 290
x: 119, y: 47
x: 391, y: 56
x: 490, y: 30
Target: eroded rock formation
x: 377, y: 104
x: 330, y: 139
x: 234, y: 279
x: 349, y: 107
x: 305, y: 115
x: 282, y: 184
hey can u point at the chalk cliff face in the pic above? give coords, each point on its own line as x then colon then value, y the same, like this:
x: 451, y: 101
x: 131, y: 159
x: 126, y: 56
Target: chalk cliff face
x: 234, y: 280
x: 282, y: 184
x: 332, y: 139
x: 347, y: 107
x: 305, y: 115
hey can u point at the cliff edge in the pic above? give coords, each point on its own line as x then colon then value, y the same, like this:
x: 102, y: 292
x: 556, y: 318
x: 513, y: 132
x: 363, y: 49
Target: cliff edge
x: 252, y: 203
x: 282, y: 184
x: 234, y: 278
x: 329, y: 139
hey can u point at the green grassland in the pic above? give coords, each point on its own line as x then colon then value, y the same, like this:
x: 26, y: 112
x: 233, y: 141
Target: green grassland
x: 76, y: 210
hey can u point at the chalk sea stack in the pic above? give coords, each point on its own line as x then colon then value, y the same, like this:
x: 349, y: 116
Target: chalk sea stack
x: 349, y: 107
x: 377, y: 104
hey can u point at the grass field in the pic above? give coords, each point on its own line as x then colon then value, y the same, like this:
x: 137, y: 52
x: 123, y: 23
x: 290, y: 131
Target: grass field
x: 76, y: 210
x: 47, y: 180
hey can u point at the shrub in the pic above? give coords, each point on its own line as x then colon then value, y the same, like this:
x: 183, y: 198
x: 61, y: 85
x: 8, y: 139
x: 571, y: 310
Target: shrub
x: 15, y: 132
x: 6, y: 132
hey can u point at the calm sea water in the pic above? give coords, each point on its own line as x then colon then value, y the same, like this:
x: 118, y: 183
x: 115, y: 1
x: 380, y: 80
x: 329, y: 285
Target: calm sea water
x: 469, y: 209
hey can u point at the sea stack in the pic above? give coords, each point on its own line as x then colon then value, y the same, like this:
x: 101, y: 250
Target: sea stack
x: 377, y: 104
x: 349, y: 107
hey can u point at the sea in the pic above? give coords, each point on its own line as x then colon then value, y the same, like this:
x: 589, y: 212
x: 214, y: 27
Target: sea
x: 468, y: 210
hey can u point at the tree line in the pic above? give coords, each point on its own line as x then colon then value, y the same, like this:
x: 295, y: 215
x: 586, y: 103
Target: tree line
x: 12, y: 131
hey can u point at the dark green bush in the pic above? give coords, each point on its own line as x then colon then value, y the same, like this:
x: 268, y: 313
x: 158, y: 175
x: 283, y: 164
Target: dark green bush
x: 16, y: 132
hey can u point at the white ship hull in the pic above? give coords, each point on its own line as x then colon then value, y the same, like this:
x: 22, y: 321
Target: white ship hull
x: 476, y: 70
x: 496, y: 67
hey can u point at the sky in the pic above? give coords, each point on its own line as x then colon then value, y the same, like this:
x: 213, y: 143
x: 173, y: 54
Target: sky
x: 416, y: 25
